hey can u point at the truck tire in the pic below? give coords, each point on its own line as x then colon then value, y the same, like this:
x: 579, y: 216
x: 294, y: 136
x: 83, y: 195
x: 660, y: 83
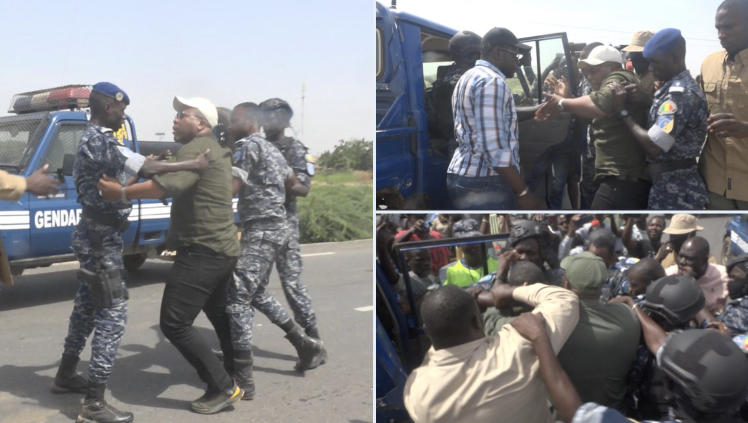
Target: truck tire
x: 133, y: 262
x: 726, y: 250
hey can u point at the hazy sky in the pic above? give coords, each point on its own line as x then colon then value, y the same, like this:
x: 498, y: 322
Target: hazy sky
x: 586, y: 21
x: 228, y: 51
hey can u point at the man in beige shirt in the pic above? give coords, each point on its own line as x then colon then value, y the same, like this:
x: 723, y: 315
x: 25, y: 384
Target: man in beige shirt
x: 724, y: 75
x: 469, y: 377
x: 12, y: 186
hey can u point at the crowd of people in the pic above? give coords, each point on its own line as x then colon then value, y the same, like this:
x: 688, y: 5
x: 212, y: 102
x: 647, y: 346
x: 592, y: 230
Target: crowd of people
x: 644, y: 133
x: 223, y: 154
x: 578, y: 318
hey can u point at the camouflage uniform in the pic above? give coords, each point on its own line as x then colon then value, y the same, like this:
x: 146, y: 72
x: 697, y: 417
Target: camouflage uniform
x: 682, y: 102
x: 97, y: 247
x: 289, y: 263
x: 735, y: 316
x: 264, y: 235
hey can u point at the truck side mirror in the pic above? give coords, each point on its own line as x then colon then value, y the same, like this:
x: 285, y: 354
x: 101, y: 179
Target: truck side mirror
x: 67, y: 164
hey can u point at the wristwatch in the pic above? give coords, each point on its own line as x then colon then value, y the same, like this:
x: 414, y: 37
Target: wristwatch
x: 122, y: 193
x: 623, y: 114
x: 561, y: 105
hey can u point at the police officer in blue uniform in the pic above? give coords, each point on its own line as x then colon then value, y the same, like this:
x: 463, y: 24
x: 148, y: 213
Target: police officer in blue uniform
x: 101, y: 301
x: 261, y: 178
x: 277, y: 117
x: 735, y: 316
x: 677, y: 126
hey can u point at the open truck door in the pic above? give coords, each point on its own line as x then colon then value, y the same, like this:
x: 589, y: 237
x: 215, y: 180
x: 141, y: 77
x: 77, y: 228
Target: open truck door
x: 541, y: 141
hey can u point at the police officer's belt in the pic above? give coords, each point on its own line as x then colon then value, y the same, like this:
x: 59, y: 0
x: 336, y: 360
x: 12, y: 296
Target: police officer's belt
x: 106, y: 219
x: 624, y: 178
x: 657, y: 169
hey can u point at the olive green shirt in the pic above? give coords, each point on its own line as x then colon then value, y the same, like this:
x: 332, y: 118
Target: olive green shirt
x: 201, y: 212
x: 617, y: 151
x: 601, y: 349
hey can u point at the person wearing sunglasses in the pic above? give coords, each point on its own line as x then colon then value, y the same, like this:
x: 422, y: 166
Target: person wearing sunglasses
x: 619, y: 163
x: 485, y: 171
x: 203, y: 233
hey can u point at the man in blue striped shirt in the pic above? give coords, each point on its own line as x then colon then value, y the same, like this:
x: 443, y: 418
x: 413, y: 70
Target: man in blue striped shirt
x: 484, y: 172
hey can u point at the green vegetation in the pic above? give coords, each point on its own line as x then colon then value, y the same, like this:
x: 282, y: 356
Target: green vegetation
x: 349, y: 155
x: 339, y: 207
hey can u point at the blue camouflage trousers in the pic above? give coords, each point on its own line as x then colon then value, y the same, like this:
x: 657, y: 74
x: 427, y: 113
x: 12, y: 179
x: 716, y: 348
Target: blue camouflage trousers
x: 259, y: 249
x: 682, y: 189
x: 289, y: 269
x: 107, y: 324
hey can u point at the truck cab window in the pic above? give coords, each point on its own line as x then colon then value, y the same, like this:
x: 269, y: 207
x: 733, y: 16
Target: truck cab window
x: 64, y: 142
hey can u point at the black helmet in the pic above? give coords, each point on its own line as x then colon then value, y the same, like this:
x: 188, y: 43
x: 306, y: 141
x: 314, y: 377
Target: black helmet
x: 675, y: 298
x: 463, y: 43
x: 276, y: 104
x: 709, y: 370
x: 525, y: 229
x: 743, y: 258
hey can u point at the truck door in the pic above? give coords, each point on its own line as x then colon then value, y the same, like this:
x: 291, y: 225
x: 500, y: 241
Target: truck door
x: 395, y: 130
x: 539, y: 141
x: 52, y: 219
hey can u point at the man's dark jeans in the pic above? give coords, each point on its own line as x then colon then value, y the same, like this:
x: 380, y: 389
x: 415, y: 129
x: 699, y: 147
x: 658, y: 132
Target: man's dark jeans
x: 615, y: 194
x: 199, y: 280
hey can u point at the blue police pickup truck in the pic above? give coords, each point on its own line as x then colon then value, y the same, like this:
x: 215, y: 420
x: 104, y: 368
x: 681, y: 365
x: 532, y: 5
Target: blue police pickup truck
x: 411, y: 53
x: 735, y: 241
x: 45, y: 127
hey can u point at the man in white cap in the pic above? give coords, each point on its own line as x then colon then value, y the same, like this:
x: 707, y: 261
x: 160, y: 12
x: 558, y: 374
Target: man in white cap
x: 619, y: 160
x: 202, y: 232
x: 641, y: 65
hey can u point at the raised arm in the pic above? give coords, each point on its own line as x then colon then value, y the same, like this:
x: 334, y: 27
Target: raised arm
x: 563, y: 394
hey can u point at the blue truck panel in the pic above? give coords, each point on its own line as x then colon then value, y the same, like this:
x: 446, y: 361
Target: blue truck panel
x: 411, y: 172
x: 36, y: 231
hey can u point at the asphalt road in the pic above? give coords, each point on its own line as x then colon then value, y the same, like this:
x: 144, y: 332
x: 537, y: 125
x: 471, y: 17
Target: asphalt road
x: 151, y: 379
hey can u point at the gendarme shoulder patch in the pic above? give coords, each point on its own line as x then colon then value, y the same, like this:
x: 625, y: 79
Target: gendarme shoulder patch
x: 665, y: 122
x: 667, y: 108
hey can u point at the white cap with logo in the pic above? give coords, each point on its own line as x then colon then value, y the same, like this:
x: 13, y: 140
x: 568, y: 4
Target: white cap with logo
x: 600, y: 55
x: 205, y: 106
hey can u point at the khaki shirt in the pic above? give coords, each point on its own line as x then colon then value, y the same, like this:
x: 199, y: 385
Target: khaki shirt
x: 495, y: 378
x: 12, y: 187
x: 724, y: 161
x: 648, y: 83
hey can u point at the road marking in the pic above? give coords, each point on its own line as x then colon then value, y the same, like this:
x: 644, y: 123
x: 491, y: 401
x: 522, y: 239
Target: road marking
x: 364, y: 309
x: 317, y: 254
x: 67, y: 263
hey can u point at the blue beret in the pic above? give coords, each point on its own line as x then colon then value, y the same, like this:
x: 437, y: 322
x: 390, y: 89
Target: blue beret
x: 110, y: 90
x: 661, y: 43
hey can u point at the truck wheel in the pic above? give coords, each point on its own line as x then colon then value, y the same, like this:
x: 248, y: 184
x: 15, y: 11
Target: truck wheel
x: 726, y: 250
x: 133, y: 262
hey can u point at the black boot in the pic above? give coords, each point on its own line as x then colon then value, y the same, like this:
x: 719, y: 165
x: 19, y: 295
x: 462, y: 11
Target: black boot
x: 311, y: 352
x: 243, y: 362
x: 66, y: 379
x: 96, y: 410
x: 312, y: 332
